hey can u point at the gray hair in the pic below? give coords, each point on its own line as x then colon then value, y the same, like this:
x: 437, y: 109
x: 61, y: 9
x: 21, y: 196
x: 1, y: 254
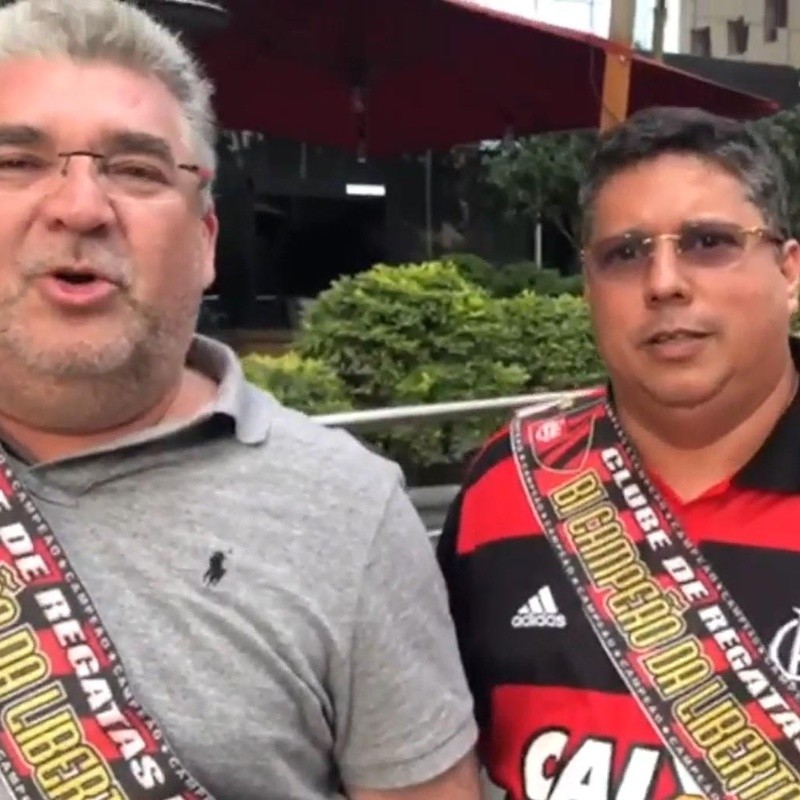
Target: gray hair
x: 119, y: 32
x: 735, y: 146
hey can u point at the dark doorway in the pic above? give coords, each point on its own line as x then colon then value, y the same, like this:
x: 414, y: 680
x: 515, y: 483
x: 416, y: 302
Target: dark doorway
x: 304, y: 243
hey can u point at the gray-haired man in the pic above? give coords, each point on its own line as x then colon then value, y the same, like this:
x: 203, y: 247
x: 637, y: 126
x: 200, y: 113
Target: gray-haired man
x: 261, y: 586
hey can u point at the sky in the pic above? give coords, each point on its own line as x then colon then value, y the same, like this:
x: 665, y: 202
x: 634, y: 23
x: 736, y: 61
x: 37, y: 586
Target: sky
x: 594, y: 15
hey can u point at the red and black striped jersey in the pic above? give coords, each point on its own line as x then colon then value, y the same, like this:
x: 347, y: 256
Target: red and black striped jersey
x: 556, y: 721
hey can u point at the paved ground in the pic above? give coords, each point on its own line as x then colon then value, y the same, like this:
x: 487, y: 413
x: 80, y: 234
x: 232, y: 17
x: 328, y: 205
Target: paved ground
x: 432, y: 503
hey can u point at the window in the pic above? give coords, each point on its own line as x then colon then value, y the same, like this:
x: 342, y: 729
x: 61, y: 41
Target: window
x: 781, y: 13
x: 700, y: 44
x: 738, y: 31
x: 776, y: 15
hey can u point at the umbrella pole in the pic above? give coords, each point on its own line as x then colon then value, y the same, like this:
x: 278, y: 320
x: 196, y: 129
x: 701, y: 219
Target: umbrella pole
x: 429, y: 204
x: 659, y: 23
x: 617, y: 74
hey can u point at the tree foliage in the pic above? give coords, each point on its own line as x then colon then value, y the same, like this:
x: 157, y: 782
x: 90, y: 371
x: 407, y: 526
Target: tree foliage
x: 782, y: 132
x: 539, y: 176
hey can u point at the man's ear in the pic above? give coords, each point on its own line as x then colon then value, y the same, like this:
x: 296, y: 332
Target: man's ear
x: 585, y: 282
x: 208, y: 246
x: 790, y: 269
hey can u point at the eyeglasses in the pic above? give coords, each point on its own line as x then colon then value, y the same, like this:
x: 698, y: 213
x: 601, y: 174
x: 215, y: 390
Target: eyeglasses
x: 696, y: 244
x: 130, y: 175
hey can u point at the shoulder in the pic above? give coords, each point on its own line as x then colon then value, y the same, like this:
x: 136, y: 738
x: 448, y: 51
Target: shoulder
x: 271, y: 438
x: 495, y: 454
x: 492, y: 499
x: 305, y: 446
x: 323, y: 470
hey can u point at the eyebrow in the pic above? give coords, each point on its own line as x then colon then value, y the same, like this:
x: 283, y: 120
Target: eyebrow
x: 119, y: 141
x: 624, y: 234
x: 127, y: 141
x: 22, y: 135
x: 687, y: 223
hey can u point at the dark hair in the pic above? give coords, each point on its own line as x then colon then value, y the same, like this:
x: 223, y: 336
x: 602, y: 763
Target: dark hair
x: 735, y: 146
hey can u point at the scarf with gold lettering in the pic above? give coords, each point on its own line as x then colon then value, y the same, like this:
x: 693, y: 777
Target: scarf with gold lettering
x: 677, y: 638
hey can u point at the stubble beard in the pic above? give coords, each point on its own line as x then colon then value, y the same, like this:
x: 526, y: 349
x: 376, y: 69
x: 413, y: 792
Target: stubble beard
x: 85, y: 385
x: 77, y: 359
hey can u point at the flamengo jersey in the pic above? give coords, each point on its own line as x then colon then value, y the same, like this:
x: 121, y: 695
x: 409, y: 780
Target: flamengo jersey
x: 557, y: 723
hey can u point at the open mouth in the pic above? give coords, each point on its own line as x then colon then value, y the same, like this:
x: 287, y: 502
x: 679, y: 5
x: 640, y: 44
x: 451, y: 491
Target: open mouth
x: 77, y: 287
x: 662, y: 337
x: 75, y: 278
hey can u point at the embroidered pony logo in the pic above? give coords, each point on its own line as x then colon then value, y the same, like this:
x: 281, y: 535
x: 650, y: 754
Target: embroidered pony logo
x: 216, y: 568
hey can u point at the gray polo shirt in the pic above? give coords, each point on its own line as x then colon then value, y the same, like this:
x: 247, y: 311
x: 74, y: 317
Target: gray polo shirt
x: 323, y: 653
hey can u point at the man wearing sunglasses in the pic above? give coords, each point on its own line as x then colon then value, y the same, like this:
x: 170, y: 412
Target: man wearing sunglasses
x: 623, y: 565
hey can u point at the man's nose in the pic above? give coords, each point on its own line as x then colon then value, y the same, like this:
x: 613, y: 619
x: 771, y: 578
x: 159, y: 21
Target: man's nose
x: 77, y: 199
x: 665, y: 276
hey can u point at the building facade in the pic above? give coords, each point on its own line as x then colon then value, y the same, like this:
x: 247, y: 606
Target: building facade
x: 593, y: 16
x: 760, y: 31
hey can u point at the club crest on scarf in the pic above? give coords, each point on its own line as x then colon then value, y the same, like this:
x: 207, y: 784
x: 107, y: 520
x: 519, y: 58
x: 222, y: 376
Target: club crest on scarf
x: 558, y: 440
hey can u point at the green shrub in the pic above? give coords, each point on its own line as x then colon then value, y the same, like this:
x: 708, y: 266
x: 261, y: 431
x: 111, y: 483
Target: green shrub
x: 305, y: 384
x: 431, y: 443
x: 419, y: 333
x: 474, y: 268
x: 376, y: 327
x: 518, y: 276
x: 521, y: 276
x: 572, y: 284
x: 552, y: 338
x: 423, y: 333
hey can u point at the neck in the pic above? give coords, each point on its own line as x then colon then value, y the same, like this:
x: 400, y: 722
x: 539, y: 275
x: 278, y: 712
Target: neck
x: 692, y: 449
x: 186, y: 397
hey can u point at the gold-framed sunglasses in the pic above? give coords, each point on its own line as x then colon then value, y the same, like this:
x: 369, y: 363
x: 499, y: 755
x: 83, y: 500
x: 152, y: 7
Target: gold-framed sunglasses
x: 696, y: 244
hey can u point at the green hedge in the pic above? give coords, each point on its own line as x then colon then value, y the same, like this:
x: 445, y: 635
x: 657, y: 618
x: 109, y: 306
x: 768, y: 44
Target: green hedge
x: 424, y: 333
x: 377, y: 327
x: 552, y: 337
x: 419, y: 333
x: 306, y: 384
x: 427, y: 333
x: 520, y: 276
x: 511, y: 279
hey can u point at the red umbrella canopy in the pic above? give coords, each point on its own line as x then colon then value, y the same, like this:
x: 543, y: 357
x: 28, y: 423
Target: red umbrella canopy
x: 382, y: 77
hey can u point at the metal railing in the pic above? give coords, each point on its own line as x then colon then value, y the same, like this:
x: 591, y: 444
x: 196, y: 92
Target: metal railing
x: 433, y: 501
x: 381, y: 418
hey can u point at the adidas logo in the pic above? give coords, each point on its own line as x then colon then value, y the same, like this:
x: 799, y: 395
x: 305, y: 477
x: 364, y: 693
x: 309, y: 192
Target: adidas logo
x: 539, y: 612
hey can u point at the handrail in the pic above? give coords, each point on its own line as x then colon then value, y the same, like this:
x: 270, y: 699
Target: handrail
x: 380, y: 418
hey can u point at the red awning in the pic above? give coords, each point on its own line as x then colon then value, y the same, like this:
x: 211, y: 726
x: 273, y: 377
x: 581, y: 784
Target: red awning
x: 391, y: 76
